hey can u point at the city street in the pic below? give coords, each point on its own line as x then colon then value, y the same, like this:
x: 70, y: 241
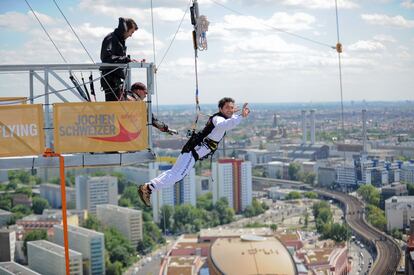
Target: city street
x: 361, y: 259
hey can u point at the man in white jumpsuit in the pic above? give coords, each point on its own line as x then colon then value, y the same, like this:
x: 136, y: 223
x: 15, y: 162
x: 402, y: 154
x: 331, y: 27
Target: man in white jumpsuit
x: 198, y: 147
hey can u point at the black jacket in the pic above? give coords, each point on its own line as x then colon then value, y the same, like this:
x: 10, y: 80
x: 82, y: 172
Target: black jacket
x: 113, y: 50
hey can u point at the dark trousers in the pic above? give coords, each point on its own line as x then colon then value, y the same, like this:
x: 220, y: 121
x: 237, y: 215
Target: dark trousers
x: 111, y: 85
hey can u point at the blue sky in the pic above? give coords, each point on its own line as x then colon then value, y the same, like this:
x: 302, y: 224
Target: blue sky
x: 245, y: 58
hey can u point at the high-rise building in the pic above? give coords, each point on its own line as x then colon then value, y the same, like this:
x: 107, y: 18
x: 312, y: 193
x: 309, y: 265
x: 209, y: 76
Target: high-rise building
x: 232, y: 179
x: 394, y: 189
x: 399, y: 211
x: 88, y: 242
x: 346, y: 176
x: 11, y: 268
x: 92, y: 191
x: 407, y: 172
x: 49, y: 259
x: 7, y: 245
x: 51, y: 192
x: 182, y: 192
x: 127, y: 221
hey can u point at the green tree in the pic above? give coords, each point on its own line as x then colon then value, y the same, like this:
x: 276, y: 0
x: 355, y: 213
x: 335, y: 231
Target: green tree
x: 19, y: 176
x: 376, y: 217
x: 249, y: 211
x: 309, y: 178
x: 34, y: 235
x: 24, y: 190
x: 145, y: 245
x: 205, y: 201
x: 167, y: 212
x: 369, y: 194
x: 39, y: 204
x: 120, y: 254
x: 397, y: 234
x: 293, y: 171
x: 311, y: 195
x: 258, y: 207
x: 226, y: 214
x: 92, y: 223
x: 5, y: 202
x: 122, y: 181
x: 339, y: 232
x: 184, y: 215
x: 273, y: 227
x: 23, y: 209
x: 153, y: 231
x: 118, y: 247
x: 113, y: 268
x: 317, y: 206
x: 124, y: 202
x: 410, y: 187
x: 294, y: 195
x: 325, y: 215
x: 130, y: 192
x: 12, y: 185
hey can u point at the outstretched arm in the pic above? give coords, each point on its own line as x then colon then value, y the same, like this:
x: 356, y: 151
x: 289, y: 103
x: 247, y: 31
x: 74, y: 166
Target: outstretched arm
x: 162, y: 126
x: 227, y: 124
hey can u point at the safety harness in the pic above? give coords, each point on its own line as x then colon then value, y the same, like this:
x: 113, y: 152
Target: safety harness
x: 200, y: 138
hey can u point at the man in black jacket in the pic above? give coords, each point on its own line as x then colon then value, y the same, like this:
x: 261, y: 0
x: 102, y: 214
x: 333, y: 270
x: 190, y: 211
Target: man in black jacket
x: 113, y: 50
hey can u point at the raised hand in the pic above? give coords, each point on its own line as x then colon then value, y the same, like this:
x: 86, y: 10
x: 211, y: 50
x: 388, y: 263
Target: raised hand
x: 245, y: 110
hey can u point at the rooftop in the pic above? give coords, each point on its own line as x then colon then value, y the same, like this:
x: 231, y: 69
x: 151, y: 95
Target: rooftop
x: 224, y: 232
x: 54, y: 248
x: 400, y: 199
x: 15, y: 268
x: 118, y: 208
x: 4, y: 212
x: 253, y: 256
x: 80, y: 230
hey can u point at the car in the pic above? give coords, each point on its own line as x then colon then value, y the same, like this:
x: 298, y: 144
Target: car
x: 362, y: 246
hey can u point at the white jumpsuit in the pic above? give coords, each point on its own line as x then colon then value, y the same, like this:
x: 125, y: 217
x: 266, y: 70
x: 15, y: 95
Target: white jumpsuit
x: 186, y: 161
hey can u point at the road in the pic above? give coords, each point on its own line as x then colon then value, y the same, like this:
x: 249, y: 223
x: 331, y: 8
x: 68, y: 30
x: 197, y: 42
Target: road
x: 387, y: 250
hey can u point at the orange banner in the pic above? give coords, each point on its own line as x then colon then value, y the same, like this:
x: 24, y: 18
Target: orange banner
x: 21, y: 130
x: 100, y: 126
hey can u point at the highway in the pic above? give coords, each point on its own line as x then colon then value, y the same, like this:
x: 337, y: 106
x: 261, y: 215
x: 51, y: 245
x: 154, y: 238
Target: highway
x: 388, y: 253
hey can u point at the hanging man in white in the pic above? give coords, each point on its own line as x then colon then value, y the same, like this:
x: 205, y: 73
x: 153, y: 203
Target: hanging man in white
x: 198, y: 147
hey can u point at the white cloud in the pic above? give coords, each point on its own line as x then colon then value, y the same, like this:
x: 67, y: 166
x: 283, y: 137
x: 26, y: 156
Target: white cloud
x: 21, y: 22
x: 296, y: 21
x: 320, y: 4
x: 262, y: 44
x: 280, y: 20
x: 384, y: 38
x: 409, y: 4
x: 88, y: 31
x: 386, y: 20
x: 170, y: 14
x: 168, y: 11
x: 366, y: 46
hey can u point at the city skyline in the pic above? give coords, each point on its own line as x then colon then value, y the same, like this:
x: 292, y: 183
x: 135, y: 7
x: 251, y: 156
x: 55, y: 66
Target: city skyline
x: 246, y: 57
